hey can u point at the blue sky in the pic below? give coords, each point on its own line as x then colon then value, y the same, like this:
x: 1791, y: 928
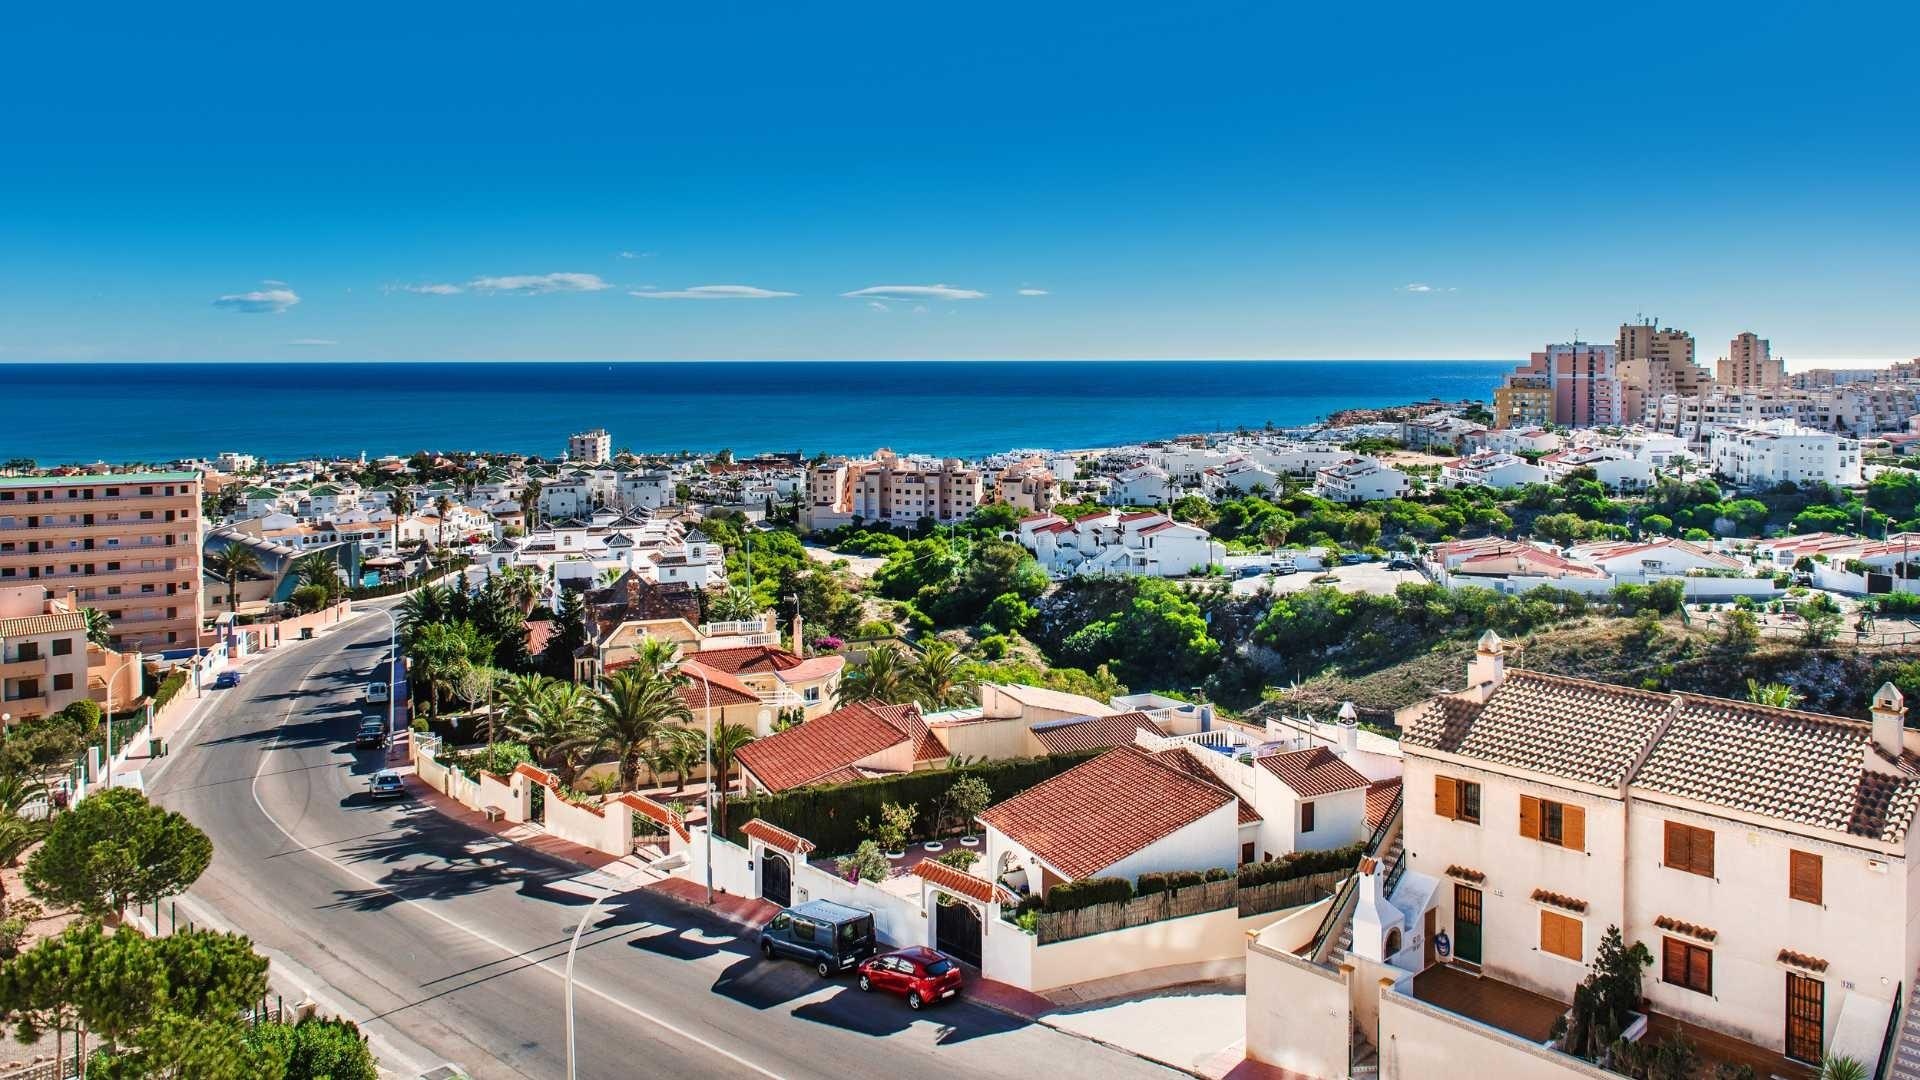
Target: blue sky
x: 441, y: 181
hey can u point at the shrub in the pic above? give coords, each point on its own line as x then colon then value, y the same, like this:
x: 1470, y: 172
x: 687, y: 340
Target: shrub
x: 995, y: 646
x: 867, y: 861
x: 317, y: 1049
x: 892, y: 827
x: 1299, y: 864
x: 496, y: 758
x: 1086, y: 892
x: 169, y: 686
x: 1169, y: 881
x: 1218, y: 873
x: 959, y: 858
x: 83, y: 714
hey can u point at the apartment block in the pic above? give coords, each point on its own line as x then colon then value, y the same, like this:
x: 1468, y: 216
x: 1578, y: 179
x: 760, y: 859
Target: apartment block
x: 1522, y: 403
x: 889, y: 489
x: 591, y: 447
x: 1750, y: 362
x: 125, y: 543
x: 1582, y: 381
x: 1653, y: 362
x: 43, y: 654
x: 1783, y: 452
x: 1027, y: 486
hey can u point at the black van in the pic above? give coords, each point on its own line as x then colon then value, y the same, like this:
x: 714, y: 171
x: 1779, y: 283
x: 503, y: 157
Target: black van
x: 825, y: 934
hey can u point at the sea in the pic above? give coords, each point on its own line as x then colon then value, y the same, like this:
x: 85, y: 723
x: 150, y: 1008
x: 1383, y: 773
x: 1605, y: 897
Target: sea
x: 152, y: 412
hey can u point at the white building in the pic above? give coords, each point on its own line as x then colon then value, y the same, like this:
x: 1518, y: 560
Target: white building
x: 1783, y: 452
x: 1145, y: 485
x: 1359, y: 479
x: 1613, y: 466
x: 592, y: 447
x: 1242, y: 475
x: 1493, y: 469
x: 1147, y: 543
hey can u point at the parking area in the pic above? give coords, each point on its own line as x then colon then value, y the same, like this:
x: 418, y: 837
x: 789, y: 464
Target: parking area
x: 1374, y: 577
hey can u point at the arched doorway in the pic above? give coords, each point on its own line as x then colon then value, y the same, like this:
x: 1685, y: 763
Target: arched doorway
x: 956, y: 929
x: 776, y: 878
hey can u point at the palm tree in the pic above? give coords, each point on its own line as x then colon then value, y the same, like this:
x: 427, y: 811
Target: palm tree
x: 1778, y: 695
x: 530, y: 504
x: 522, y: 586
x: 99, y: 627
x: 17, y: 831
x: 318, y: 569
x: 680, y: 750
x: 734, y: 605
x: 401, y: 505
x: 728, y: 740
x: 423, y: 607
x: 633, y: 709
x: 939, y: 679
x: 443, y: 506
x: 234, y: 562
x: 882, y: 678
x: 439, y: 656
x: 555, y: 718
x: 659, y: 657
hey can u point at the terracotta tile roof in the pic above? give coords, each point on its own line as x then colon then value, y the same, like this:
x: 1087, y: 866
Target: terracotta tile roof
x: 1092, y: 732
x: 1668, y: 922
x: 749, y: 659
x: 1186, y: 762
x: 776, y: 837
x: 726, y: 690
x: 1098, y: 813
x: 1140, y: 515
x: 32, y: 625
x: 961, y: 882
x: 812, y: 751
x: 1801, y: 960
x: 648, y: 808
x: 1311, y: 773
x: 1380, y: 798
x: 906, y: 717
x: 1554, y: 899
x: 814, y: 667
x: 1571, y: 728
x: 1799, y: 767
x: 1466, y: 873
x: 538, y: 631
x: 1159, y: 527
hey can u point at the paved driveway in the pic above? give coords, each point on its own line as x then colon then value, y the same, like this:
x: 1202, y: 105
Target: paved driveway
x: 1362, y: 577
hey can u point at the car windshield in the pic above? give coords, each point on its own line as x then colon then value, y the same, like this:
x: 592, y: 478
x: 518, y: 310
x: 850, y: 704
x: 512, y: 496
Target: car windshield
x: 940, y: 966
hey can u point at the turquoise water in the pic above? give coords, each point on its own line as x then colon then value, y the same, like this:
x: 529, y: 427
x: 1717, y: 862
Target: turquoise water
x: 156, y: 412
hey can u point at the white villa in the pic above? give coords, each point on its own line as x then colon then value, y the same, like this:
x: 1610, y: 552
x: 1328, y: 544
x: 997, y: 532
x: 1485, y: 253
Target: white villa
x: 1147, y: 542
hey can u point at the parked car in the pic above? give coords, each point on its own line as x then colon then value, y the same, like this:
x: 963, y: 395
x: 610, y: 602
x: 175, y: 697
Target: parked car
x: 372, y: 733
x: 1250, y: 571
x: 386, y: 784
x: 1285, y: 568
x: 226, y: 680
x: 1401, y: 564
x: 924, y: 975
x: 376, y: 693
x: 830, y: 936
x: 1355, y: 558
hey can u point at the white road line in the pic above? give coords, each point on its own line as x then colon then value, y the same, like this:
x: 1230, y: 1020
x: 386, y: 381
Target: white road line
x: 462, y: 927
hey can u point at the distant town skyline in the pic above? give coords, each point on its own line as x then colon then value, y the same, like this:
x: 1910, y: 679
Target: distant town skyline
x: 1132, y: 182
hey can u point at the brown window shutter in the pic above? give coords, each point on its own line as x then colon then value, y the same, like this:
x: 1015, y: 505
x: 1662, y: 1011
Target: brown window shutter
x: 1529, y: 817
x: 1703, y: 852
x: 1804, y: 877
x: 1573, y: 828
x: 1673, y: 966
x: 1444, y: 797
x: 1700, y: 970
x: 1679, y: 853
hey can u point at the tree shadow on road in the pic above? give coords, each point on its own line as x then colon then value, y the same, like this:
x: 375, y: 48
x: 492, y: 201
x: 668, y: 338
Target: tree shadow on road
x: 427, y: 857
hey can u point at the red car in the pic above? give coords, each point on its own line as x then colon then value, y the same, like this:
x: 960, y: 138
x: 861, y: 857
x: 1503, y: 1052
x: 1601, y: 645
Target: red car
x: 924, y: 975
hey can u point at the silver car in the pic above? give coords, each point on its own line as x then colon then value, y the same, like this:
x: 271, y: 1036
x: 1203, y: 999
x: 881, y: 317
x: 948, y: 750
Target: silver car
x: 386, y: 784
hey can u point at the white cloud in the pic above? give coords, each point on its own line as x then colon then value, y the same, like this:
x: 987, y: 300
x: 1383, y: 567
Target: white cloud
x: 274, y: 282
x: 431, y: 289
x: 915, y: 292
x: 637, y: 254
x: 270, y: 301
x: 878, y: 306
x: 1033, y: 292
x: 711, y: 292
x: 1421, y: 287
x: 312, y: 342
x: 535, y: 284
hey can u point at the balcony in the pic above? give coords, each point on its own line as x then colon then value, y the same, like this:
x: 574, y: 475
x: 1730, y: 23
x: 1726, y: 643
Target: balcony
x: 23, y: 669
x: 22, y: 707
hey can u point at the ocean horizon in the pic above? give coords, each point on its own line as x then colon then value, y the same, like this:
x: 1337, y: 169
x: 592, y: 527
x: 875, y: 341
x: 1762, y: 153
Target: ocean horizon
x: 147, y: 412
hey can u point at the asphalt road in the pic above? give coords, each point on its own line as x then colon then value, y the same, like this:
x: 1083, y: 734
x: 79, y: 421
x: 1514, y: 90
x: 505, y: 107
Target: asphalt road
x: 448, y: 945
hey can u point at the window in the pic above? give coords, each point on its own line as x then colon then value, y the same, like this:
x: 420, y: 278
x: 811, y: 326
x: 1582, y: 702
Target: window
x: 1685, y: 964
x: 28, y: 650
x: 1561, y: 935
x: 1456, y: 799
x: 1246, y: 852
x: 63, y: 681
x: 64, y: 647
x: 1804, y: 876
x: 1549, y: 822
x: 1689, y: 849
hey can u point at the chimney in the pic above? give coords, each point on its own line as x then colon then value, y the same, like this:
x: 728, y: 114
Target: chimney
x: 1889, y: 719
x: 1488, y: 668
x: 1349, y: 728
x: 799, y: 648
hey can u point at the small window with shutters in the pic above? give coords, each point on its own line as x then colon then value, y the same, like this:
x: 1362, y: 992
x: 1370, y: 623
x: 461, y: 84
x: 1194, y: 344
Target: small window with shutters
x: 1560, y: 824
x: 1689, y: 849
x: 1456, y: 800
x: 1804, y: 877
x: 1686, y: 964
x: 1560, y: 935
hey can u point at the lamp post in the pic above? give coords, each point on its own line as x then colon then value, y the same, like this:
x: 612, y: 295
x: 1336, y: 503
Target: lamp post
x: 393, y: 663
x: 707, y: 686
x: 571, y: 949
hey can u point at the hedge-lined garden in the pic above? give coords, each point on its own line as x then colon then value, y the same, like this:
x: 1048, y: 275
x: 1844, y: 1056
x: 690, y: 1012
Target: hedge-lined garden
x: 831, y: 815
x: 1299, y: 864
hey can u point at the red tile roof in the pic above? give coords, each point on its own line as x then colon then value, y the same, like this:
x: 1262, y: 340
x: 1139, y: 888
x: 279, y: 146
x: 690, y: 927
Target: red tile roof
x: 726, y: 690
x: 1380, y: 796
x: 906, y: 717
x: 538, y: 631
x: 1186, y: 762
x: 1098, y: 813
x: 961, y: 882
x: 749, y: 659
x: 1139, y: 515
x: 816, y: 749
x: 1312, y: 773
x: 1151, y: 529
x: 653, y: 810
x: 774, y: 836
x: 1092, y: 732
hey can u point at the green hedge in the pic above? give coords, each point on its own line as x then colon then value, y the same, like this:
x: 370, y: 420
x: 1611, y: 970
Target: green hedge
x: 1086, y: 892
x: 830, y: 815
x: 1298, y: 864
x: 169, y: 686
x: 1171, y: 880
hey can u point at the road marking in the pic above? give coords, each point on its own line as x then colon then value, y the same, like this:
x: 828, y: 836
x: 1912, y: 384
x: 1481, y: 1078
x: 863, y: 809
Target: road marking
x: 458, y: 925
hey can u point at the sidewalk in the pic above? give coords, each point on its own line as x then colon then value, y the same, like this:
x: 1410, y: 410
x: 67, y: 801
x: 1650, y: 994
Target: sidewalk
x: 628, y: 870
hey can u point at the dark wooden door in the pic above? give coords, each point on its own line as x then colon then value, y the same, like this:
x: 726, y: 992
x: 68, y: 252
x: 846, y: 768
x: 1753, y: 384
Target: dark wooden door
x: 956, y: 931
x: 1432, y: 927
x: 776, y: 878
x: 1466, y: 923
x: 1806, y: 1017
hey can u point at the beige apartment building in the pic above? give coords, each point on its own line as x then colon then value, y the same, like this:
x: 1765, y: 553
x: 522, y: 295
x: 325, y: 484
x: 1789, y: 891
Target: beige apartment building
x: 1653, y: 362
x: 125, y: 543
x: 1027, y: 486
x: 890, y: 490
x: 1750, y: 362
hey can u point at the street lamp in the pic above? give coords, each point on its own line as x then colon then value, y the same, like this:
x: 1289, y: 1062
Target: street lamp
x: 393, y: 663
x: 571, y: 949
x: 708, y: 710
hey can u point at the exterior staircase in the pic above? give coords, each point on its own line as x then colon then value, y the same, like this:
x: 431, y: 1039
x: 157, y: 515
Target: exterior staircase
x: 1904, y: 1063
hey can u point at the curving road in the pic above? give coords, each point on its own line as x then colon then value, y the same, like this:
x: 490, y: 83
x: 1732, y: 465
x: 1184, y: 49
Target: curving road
x: 447, y: 944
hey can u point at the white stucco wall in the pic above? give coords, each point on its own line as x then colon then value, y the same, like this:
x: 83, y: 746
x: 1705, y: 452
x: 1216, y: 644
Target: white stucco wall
x: 1212, y: 841
x: 1420, y: 1042
x: 1298, y: 1014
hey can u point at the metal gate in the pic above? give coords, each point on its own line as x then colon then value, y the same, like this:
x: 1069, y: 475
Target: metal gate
x: 537, y: 804
x: 776, y: 878
x: 1466, y: 923
x: 956, y: 930
x: 1806, y: 1017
